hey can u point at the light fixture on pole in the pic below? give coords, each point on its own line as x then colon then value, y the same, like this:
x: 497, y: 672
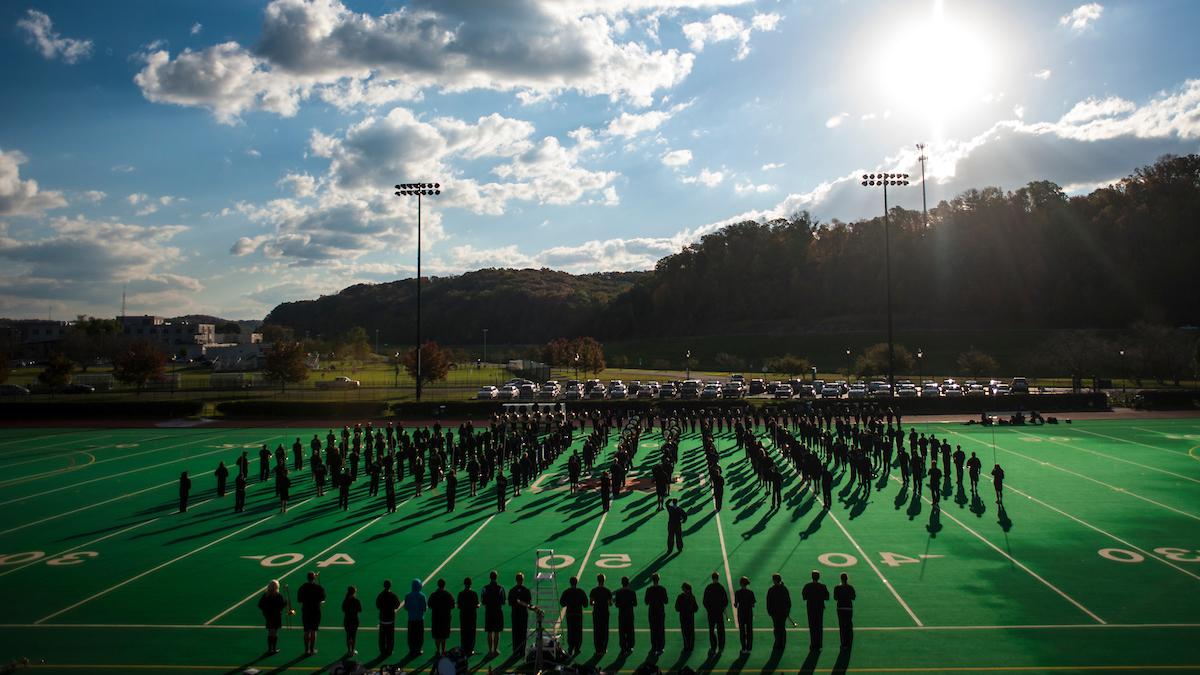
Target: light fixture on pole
x: 922, y: 157
x: 848, y: 366
x: 689, y: 364
x: 884, y: 180
x: 1124, y: 374
x: 418, y: 190
x: 920, y: 357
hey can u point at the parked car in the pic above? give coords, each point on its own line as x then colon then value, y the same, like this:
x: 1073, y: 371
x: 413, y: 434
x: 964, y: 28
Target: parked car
x: 975, y: 389
x: 549, y: 391
x: 690, y: 389
x: 527, y: 392
x: 75, y: 388
x: 648, y: 390
x: 711, y: 391
x: 487, y: 393
x: 906, y: 390
x: 1001, y: 389
x: 757, y: 386
x: 954, y: 390
x: 617, y: 390
x: 931, y: 389
x: 858, y: 390
x: 831, y: 391
x: 597, y: 392
x: 732, y: 389
x: 668, y: 390
x: 573, y: 392
x: 883, y: 392
x: 13, y: 390
x: 507, y: 392
x: 341, y: 382
x: 782, y: 390
x: 772, y: 386
x: 806, y: 389
x: 1020, y: 385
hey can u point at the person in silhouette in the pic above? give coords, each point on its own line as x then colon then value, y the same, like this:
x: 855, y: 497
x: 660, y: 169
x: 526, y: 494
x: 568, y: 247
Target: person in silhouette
x: 625, y: 600
x: 415, y: 605
x: 573, y: 600
x: 844, y: 595
x: 493, y: 599
x: 520, y: 599
x: 779, y: 608
x: 716, y: 601
x: 656, y: 600
x: 686, y: 606
x: 744, y: 601
x: 815, y: 595
x: 310, y: 595
x: 185, y: 488
x: 998, y: 483
x: 271, y: 604
x: 974, y: 466
x: 222, y: 474
x: 468, y: 617
x: 441, y: 604
x: 601, y: 599
x: 676, y: 517
x: 387, y: 603
x: 351, y: 608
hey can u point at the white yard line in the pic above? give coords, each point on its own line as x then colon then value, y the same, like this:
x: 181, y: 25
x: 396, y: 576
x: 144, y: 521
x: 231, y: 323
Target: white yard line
x: 73, y: 439
x: 878, y: 573
x: 302, y: 563
x: 154, y: 569
x: 75, y: 452
x: 115, y: 475
x: 1105, y: 533
x: 76, y: 548
x: 1118, y: 459
x: 583, y: 565
x: 1014, y: 561
x: 725, y: 558
x: 72, y: 469
x: 89, y: 506
x: 429, y: 577
x: 34, y: 438
x: 1085, y: 477
x: 1144, y: 445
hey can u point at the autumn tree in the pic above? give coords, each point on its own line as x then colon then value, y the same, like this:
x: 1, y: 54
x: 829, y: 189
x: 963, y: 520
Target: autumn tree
x: 57, y: 373
x: 976, y: 363
x: 141, y: 362
x: 285, y: 363
x: 435, y: 363
x: 354, y: 344
x: 874, y: 361
x: 789, y: 364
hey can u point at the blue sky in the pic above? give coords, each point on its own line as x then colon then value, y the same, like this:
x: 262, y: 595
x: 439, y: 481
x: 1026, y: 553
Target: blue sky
x: 224, y: 156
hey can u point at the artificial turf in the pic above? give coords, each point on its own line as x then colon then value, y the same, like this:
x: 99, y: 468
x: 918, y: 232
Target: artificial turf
x: 1093, y: 565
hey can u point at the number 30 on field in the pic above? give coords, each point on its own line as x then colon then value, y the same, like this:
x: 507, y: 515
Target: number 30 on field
x: 1174, y: 554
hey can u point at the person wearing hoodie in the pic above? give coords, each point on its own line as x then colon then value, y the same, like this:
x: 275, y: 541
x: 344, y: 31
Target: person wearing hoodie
x: 414, y: 604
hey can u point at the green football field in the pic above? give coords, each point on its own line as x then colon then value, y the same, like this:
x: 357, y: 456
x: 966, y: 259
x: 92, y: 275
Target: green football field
x: 1093, y: 565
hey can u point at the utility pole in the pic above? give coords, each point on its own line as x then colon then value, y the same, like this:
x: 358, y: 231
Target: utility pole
x: 924, y: 206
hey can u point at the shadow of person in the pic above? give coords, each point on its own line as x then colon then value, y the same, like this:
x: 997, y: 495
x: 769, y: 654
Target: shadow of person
x: 960, y: 497
x: 977, y: 505
x: 914, y: 506
x: 842, y: 662
x: 773, y: 661
x: 935, y: 523
x: 902, y: 496
x: 810, y: 662
x: 1003, y: 519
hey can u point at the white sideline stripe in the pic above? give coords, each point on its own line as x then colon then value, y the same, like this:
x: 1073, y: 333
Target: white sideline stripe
x: 1107, y: 534
x: 1101, y: 454
x: 75, y: 548
x: 725, y: 558
x: 582, y: 566
x: 75, y: 452
x: 89, y: 506
x: 870, y: 562
x: 283, y: 576
x: 72, y: 469
x: 339, y: 629
x: 154, y: 569
x: 461, y: 546
x: 1114, y: 488
x: 73, y: 439
x: 1132, y: 442
x: 1013, y: 560
x: 118, y: 475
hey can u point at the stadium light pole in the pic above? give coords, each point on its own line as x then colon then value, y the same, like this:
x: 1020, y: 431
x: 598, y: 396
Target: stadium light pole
x: 883, y: 180
x: 418, y: 190
x: 920, y: 358
x: 689, y: 364
x: 924, y: 206
x: 1123, y: 372
x: 848, y: 366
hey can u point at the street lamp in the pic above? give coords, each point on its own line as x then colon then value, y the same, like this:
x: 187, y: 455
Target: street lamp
x: 485, y: 345
x: 576, y: 366
x: 920, y: 358
x: 1123, y: 373
x: 418, y: 190
x: 689, y: 364
x: 883, y: 180
x: 848, y: 366
x: 922, y: 158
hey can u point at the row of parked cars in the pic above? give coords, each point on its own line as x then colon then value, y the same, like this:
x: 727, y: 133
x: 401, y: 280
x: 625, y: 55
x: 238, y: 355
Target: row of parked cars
x: 737, y: 386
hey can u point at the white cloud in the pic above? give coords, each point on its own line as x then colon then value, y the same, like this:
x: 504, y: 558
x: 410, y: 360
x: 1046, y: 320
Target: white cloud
x: 1092, y: 108
x: 196, y: 28
x: 308, y: 46
x: 1043, y: 74
x: 1082, y: 17
x: 94, y: 196
x: 676, y: 158
x: 301, y: 185
x: 1019, y: 111
x: 137, y: 198
x: 40, y: 32
x: 751, y: 188
x: 23, y: 197
x: 705, y: 177
x: 252, y: 152
x: 771, y: 166
x: 123, y: 168
x: 836, y: 120
x: 628, y: 125
x: 85, y: 262
x: 724, y: 28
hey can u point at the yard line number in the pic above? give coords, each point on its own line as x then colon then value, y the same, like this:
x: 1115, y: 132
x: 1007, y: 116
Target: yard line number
x: 1171, y: 553
x: 73, y: 558
x: 286, y: 559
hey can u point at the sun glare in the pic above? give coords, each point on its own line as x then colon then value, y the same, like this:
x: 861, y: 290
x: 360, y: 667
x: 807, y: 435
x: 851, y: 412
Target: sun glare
x: 936, y: 68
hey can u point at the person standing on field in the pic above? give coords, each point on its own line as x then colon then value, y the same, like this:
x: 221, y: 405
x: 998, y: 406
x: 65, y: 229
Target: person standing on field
x: 815, y: 595
x: 844, y: 595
